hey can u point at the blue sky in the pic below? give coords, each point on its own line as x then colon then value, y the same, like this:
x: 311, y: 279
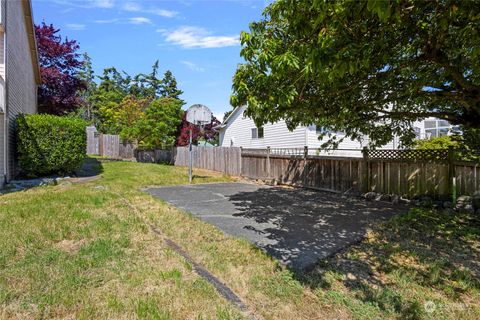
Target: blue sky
x: 197, y: 40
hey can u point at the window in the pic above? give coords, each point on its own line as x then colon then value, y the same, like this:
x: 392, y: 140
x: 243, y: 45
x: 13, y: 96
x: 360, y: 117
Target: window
x: 437, y: 128
x: 417, y: 132
x: 443, y: 132
x: 320, y: 130
x: 430, y: 133
x: 323, y: 130
x: 430, y: 124
x: 257, y: 133
x: 443, y: 123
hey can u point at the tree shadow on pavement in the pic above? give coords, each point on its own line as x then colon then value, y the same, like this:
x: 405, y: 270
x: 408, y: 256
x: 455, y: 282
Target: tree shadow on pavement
x: 368, y: 247
x: 307, y: 225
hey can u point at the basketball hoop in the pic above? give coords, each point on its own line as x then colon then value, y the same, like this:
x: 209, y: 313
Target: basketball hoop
x: 198, y: 115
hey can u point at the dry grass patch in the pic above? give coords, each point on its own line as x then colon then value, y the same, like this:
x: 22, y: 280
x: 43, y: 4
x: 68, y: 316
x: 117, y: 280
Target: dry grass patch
x: 80, y: 251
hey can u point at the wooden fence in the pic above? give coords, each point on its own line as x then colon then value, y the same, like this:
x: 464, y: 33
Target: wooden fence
x: 404, y: 172
x: 154, y: 156
x: 226, y: 160
x: 108, y: 145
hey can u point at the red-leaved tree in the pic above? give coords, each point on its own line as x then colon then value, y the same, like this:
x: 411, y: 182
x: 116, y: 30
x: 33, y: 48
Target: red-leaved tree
x: 59, y: 67
x: 183, y: 132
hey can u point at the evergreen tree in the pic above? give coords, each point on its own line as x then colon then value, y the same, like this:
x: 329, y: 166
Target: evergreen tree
x: 169, y: 86
x: 88, y: 110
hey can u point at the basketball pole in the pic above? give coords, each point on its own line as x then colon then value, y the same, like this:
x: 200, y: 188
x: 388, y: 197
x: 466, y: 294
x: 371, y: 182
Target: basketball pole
x: 190, y: 160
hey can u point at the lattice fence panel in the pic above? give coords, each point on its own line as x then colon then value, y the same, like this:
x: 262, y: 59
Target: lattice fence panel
x: 254, y: 152
x: 287, y: 151
x: 409, y: 154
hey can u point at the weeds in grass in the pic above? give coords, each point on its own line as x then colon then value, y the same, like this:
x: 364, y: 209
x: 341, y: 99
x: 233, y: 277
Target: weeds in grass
x: 78, y: 252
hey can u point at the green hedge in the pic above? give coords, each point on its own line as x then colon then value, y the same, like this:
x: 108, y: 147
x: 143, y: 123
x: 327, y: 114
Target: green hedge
x: 48, y: 144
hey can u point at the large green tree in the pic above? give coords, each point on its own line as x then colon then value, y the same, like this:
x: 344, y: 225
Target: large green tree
x: 362, y: 67
x: 157, y: 126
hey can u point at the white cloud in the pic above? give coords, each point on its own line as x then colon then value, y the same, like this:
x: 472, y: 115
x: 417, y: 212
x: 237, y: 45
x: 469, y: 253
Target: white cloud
x: 134, y: 20
x: 108, y: 20
x: 163, y: 13
x: 131, y: 6
x: 75, y: 26
x: 139, y: 20
x: 102, y: 3
x: 196, y: 37
x: 135, y: 7
x: 88, y: 4
x: 192, y: 66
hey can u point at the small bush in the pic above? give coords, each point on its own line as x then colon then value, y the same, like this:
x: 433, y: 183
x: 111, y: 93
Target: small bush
x: 48, y: 144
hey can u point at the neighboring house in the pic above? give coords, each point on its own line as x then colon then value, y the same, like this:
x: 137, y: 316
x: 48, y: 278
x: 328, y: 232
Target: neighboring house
x: 433, y: 127
x: 19, y: 76
x: 240, y: 131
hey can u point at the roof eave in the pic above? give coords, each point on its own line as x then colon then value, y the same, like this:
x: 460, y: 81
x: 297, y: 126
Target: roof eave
x: 27, y: 8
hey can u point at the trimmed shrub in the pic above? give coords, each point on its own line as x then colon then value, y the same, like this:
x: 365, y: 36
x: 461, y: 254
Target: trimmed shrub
x: 48, y: 144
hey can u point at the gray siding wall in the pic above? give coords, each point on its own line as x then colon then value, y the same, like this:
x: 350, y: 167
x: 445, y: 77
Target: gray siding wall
x: 2, y: 149
x: 20, y: 76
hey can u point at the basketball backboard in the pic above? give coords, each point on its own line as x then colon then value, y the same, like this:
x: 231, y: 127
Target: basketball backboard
x: 199, y: 115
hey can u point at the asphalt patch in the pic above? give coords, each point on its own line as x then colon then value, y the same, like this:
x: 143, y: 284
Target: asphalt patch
x: 296, y: 226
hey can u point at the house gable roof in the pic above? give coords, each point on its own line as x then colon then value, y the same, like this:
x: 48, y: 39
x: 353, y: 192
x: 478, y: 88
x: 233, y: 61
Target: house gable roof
x: 32, y: 41
x: 230, y: 116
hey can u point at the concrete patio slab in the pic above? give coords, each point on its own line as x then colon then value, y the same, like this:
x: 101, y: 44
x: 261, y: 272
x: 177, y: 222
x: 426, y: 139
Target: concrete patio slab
x: 296, y: 226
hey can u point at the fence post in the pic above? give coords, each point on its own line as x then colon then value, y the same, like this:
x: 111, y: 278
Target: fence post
x: 100, y: 145
x: 305, y: 155
x: 452, y: 178
x: 366, y: 171
x: 268, y: 162
x: 241, y: 162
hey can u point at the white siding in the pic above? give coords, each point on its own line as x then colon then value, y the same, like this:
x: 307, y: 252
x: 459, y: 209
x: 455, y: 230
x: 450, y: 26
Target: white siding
x: 347, y: 143
x: 238, y: 133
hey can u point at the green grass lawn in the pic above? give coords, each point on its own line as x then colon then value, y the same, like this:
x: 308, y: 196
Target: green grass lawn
x: 78, y: 251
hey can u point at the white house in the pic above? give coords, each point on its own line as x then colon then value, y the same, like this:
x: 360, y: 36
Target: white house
x: 19, y: 76
x: 433, y: 127
x: 240, y: 131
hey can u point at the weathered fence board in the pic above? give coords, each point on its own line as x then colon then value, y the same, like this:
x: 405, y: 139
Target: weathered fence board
x: 92, y: 140
x: 154, y: 156
x: 408, y: 176
x: 109, y: 145
x: 226, y: 160
x: 404, y: 172
x: 126, y: 150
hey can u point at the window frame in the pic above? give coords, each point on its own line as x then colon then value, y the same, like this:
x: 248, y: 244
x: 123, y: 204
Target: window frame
x: 257, y: 133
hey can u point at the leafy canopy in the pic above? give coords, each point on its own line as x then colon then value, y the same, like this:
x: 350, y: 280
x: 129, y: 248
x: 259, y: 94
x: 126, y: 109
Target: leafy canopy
x: 362, y: 67
x: 158, y: 124
x: 60, y: 65
x: 208, y: 133
x: 126, y: 104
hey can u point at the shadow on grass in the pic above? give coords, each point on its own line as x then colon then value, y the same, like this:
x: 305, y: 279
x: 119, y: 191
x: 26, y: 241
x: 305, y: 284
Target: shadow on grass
x: 89, y: 170
x: 91, y: 167
x: 419, y: 252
